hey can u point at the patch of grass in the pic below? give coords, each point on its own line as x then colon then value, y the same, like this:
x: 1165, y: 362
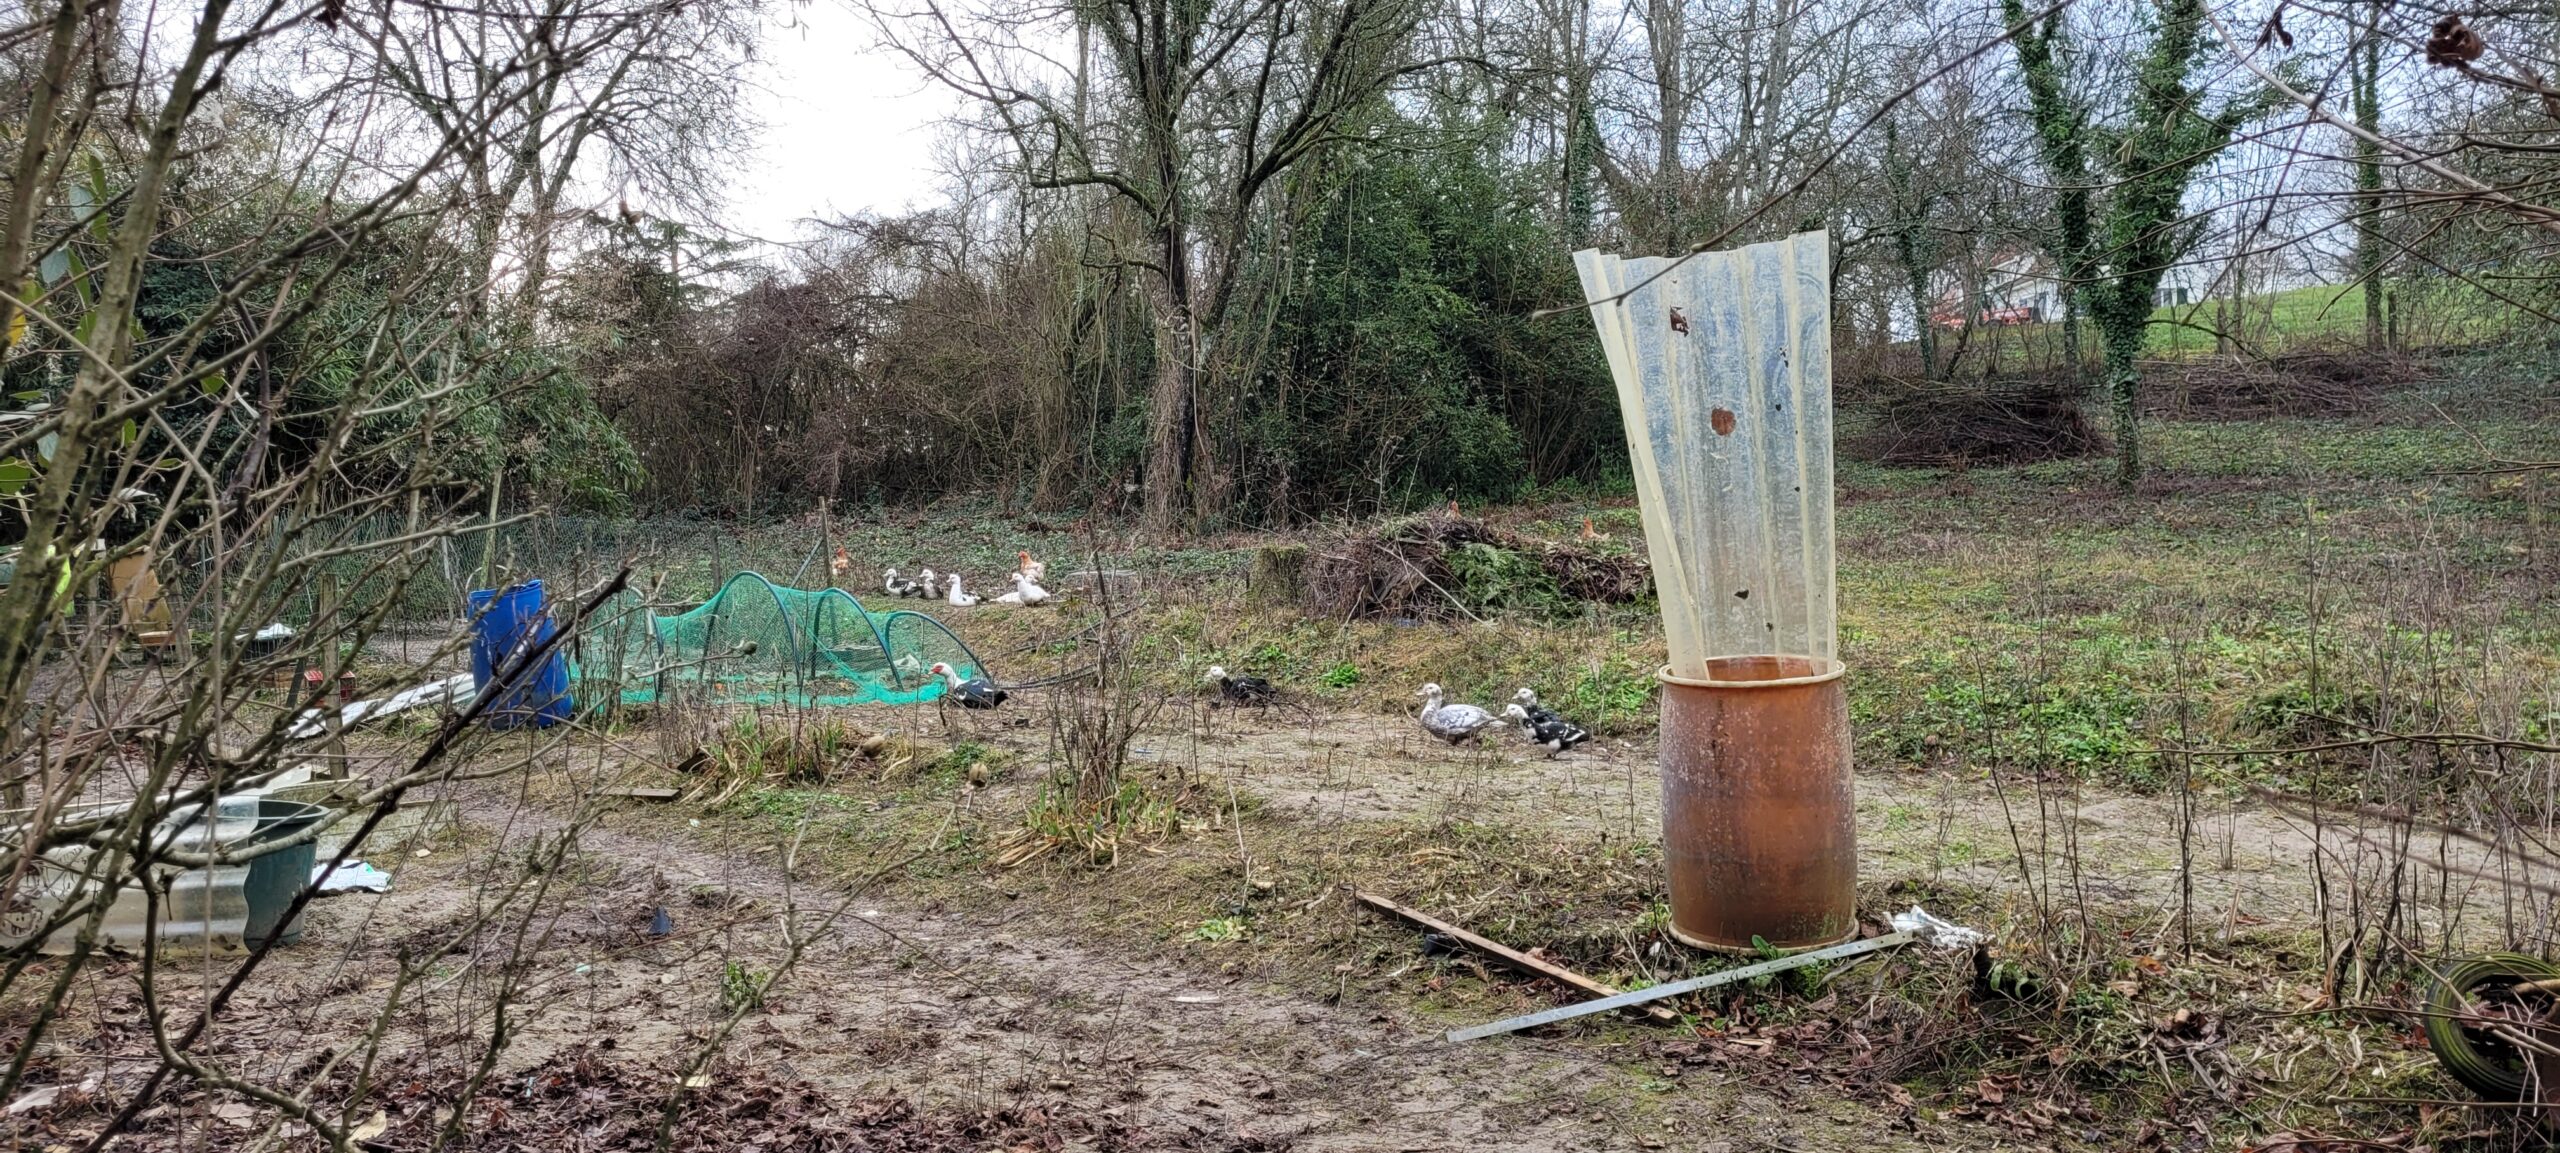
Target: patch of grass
x: 1610, y: 696
x: 786, y: 804
x: 960, y: 758
x: 1220, y: 930
x: 1272, y: 656
x: 742, y: 988
x: 1342, y: 675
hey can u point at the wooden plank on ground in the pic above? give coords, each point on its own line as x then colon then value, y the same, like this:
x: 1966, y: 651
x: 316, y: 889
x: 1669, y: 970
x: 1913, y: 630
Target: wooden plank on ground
x: 1515, y: 958
x: 639, y: 793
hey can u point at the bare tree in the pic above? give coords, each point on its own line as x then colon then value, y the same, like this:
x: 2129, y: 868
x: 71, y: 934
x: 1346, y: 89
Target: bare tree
x: 1213, y: 103
x: 647, y: 97
x: 320, y: 264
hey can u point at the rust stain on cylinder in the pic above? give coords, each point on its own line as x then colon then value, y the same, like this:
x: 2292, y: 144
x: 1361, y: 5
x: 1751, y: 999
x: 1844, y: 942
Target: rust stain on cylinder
x: 1758, y: 824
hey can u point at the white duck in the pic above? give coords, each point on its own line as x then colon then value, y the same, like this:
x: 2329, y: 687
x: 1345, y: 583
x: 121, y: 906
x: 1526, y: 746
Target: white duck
x: 1026, y: 591
x: 1451, y: 723
x: 953, y: 594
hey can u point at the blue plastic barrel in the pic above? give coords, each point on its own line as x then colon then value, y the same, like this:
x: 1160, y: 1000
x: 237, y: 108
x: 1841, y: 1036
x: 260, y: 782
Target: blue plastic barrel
x: 506, y: 623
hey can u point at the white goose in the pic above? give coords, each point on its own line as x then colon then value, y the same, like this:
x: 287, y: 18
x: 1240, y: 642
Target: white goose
x: 954, y: 595
x: 1451, y: 723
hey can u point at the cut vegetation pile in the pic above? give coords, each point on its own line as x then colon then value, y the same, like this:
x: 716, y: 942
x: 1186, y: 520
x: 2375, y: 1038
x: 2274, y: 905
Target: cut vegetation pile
x: 2312, y: 383
x: 1967, y: 423
x: 1442, y: 565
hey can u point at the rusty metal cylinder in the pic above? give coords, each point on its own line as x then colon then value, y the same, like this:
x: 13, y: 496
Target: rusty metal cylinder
x: 1758, y: 825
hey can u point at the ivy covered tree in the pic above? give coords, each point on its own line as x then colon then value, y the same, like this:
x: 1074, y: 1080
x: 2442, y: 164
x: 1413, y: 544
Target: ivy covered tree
x: 2061, y: 121
x: 2116, y: 247
x: 1916, y: 243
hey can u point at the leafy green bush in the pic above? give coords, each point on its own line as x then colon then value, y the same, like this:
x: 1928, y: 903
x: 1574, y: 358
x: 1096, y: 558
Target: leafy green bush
x: 1492, y: 579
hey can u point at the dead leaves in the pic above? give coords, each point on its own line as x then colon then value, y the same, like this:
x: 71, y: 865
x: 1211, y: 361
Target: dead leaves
x: 2452, y: 44
x: 235, y: 1114
x: 2274, y: 30
x: 2005, y: 1099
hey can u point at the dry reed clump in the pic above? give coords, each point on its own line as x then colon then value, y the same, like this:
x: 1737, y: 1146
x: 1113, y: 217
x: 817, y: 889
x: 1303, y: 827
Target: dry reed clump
x: 718, y: 759
x: 1441, y: 565
x: 2010, y: 421
x: 2309, y: 383
x: 1091, y: 803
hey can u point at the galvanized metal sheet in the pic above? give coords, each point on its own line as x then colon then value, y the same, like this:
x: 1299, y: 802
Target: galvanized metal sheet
x: 1675, y: 988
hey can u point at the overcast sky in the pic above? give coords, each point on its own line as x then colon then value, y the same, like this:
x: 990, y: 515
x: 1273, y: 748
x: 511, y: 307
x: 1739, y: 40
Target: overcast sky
x: 848, y: 128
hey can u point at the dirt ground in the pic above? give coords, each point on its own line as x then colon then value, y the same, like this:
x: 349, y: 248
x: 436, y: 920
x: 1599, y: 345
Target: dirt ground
x: 984, y: 990
x: 946, y: 1002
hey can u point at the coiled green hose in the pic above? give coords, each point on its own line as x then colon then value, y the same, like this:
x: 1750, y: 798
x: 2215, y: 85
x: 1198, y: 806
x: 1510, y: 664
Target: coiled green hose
x: 2486, y: 1063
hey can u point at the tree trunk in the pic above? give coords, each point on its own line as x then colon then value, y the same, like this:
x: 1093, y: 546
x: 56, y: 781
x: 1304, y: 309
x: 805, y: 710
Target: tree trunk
x: 2124, y: 389
x: 1581, y: 162
x: 1171, y: 398
x: 2070, y: 295
x: 2364, y: 69
x: 1912, y: 246
x: 1666, y: 37
x: 48, y: 89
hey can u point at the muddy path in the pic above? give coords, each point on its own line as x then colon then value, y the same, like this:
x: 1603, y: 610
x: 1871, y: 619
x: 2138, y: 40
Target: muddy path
x: 981, y: 1008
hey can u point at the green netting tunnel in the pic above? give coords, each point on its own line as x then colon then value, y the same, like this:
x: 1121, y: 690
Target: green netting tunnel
x: 809, y: 647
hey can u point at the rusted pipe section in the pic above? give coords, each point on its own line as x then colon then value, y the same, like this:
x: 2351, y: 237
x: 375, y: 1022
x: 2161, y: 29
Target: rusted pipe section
x: 1758, y: 825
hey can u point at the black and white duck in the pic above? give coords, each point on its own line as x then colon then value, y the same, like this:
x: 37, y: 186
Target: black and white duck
x: 930, y: 583
x: 972, y: 693
x: 1555, y: 736
x: 898, y: 586
x: 1538, y: 713
x: 1451, y: 723
x: 1240, y: 690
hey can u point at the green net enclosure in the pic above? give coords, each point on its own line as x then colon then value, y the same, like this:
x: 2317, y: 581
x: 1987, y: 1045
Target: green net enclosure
x: 756, y: 642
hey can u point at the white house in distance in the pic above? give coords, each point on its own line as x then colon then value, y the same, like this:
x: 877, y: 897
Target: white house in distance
x: 2022, y: 286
